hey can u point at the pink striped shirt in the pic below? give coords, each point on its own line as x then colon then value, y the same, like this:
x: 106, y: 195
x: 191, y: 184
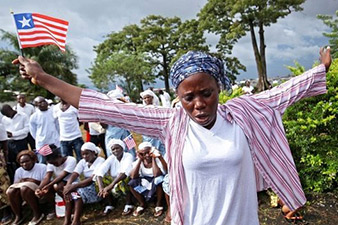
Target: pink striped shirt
x: 260, y: 117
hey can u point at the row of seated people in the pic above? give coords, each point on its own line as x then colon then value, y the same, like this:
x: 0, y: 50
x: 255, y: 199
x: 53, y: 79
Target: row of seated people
x: 90, y: 180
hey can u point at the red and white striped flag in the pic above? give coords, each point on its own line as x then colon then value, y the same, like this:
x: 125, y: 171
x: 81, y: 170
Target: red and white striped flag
x: 129, y: 142
x: 45, y: 150
x: 36, y: 29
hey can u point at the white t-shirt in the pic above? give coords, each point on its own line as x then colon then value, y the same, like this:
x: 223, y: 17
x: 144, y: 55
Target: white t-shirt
x: 68, y: 122
x: 115, y: 166
x: 220, y: 181
x: 18, y: 126
x: 148, y: 172
x: 247, y: 90
x: 82, y: 167
x: 28, y: 109
x: 95, y: 128
x: 3, y: 133
x: 165, y: 100
x: 44, y: 128
x: 38, y: 172
x: 68, y: 166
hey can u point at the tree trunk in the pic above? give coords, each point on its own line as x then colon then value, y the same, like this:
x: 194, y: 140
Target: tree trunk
x: 259, y: 57
x: 263, y: 83
x: 166, y: 74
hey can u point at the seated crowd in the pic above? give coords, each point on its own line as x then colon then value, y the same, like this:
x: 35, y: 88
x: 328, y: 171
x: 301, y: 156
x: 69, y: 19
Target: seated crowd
x: 90, y: 180
x: 49, y: 160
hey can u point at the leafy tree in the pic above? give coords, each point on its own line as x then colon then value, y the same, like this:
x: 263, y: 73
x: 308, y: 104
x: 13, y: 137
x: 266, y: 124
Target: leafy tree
x: 57, y: 63
x: 120, y: 59
x: 232, y: 19
x: 333, y: 36
x: 311, y: 126
x: 152, y: 48
x: 165, y: 39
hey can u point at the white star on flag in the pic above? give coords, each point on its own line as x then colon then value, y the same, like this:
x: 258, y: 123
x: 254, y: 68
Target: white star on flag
x: 25, y: 22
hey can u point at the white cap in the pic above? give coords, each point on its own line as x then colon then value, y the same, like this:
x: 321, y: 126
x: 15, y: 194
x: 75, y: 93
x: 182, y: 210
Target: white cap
x: 147, y: 92
x: 116, y: 142
x: 91, y: 147
x: 145, y: 145
x: 115, y: 94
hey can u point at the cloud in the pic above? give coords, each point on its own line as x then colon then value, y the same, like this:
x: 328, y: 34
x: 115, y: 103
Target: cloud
x: 298, y: 36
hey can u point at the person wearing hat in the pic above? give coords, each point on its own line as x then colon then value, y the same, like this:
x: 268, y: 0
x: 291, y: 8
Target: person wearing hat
x: 115, y: 132
x: 148, y: 97
x: 119, y: 165
x: 26, y: 180
x: 76, y: 193
x: 147, y: 177
x: 218, y: 155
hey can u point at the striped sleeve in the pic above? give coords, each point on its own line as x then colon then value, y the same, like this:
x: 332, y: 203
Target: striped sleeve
x: 97, y: 107
x: 310, y: 83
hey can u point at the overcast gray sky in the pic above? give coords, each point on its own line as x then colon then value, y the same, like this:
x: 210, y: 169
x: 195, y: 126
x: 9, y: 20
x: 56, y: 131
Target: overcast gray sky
x: 296, y: 37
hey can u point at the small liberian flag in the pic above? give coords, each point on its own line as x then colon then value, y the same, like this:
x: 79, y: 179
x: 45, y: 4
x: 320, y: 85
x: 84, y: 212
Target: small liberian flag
x: 36, y: 29
x: 129, y: 142
x: 45, y: 150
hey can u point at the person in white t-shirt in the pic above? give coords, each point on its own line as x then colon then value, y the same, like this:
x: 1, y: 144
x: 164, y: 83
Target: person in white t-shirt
x: 78, y: 193
x: 70, y: 133
x: 165, y: 98
x: 44, y: 127
x: 16, y: 125
x: 97, y: 135
x: 28, y: 109
x: 247, y: 89
x: 119, y: 164
x: 147, y: 177
x: 4, y: 178
x: 59, y: 167
x: 26, y: 181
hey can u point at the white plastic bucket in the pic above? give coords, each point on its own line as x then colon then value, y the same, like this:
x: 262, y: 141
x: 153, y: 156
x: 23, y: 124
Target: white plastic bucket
x: 60, y: 206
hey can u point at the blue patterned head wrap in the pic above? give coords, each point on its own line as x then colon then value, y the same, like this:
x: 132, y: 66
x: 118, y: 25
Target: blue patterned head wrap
x: 195, y: 62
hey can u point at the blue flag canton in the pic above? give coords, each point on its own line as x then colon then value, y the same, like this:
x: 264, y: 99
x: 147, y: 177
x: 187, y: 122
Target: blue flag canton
x: 24, y: 20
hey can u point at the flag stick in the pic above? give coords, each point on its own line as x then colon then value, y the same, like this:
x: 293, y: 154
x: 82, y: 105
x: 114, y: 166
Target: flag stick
x: 17, y: 34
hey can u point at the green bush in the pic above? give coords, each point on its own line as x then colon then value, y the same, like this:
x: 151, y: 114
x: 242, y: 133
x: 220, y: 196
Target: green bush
x: 225, y: 96
x: 311, y: 127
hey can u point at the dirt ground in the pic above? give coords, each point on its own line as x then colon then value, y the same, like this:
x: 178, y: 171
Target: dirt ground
x: 320, y: 209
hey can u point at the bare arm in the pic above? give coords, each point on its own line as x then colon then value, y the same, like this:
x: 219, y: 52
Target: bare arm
x: 135, y: 173
x: 31, y: 70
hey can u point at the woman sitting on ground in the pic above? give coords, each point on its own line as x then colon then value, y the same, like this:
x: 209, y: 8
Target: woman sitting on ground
x: 147, y: 177
x: 26, y: 181
x: 60, y: 167
x: 119, y: 164
x: 78, y: 193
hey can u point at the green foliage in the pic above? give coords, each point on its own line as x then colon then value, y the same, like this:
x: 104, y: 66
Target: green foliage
x: 333, y: 36
x: 224, y: 96
x: 152, y: 47
x: 311, y: 126
x: 233, y: 19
